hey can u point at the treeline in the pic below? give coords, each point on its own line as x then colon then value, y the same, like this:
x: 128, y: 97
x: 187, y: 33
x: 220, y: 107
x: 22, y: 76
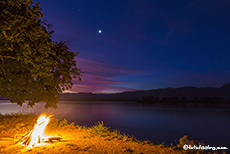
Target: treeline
x: 177, y: 100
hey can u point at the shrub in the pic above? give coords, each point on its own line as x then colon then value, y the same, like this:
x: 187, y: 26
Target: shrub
x: 99, y: 129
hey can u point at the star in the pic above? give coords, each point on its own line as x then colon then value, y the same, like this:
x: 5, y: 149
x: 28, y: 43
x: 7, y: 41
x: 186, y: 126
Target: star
x: 99, y: 31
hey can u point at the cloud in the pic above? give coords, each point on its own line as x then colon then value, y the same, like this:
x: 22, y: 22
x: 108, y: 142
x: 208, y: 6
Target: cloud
x: 101, y: 77
x: 102, y: 69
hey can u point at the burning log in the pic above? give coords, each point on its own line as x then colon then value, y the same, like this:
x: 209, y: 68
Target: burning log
x: 37, y: 136
x: 51, y: 139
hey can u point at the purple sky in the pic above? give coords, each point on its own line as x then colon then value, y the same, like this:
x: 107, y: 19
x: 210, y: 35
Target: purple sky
x: 144, y: 44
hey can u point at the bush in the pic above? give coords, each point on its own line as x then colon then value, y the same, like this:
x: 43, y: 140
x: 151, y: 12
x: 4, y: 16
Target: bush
x: 99, y: 129
x: 60, y: 123
x: 17, y: 123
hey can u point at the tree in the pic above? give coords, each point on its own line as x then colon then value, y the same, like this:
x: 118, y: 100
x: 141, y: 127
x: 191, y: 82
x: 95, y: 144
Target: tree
x: 32, y: 65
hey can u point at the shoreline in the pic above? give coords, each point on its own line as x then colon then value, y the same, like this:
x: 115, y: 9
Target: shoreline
x: 80, y: 139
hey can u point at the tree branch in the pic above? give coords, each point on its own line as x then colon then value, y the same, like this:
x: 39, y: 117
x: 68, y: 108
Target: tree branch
x: 4, y: 33
x: 15, y: 35
x: 2, y: 60
x: 6, y: 57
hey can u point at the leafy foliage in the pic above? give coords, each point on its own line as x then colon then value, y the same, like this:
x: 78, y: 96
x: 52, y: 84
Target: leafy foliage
x: 99, y: 129
x: 32, y: 65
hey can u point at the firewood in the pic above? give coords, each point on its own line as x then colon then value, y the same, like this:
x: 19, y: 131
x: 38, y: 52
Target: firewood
x: 54, y: 138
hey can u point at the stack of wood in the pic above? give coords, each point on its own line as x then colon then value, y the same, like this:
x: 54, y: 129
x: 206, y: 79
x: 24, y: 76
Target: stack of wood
x: 26, y: 139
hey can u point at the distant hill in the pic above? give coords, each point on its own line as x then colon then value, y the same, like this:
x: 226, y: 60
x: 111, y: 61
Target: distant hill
x: 183, y: 94
x: 188, y: 93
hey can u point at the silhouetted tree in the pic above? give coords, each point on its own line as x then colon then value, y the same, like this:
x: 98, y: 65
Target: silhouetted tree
x: 32, y: 65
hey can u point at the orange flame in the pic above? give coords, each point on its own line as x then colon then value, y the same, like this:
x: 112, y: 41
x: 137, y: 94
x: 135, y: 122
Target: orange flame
x: 37, y: 134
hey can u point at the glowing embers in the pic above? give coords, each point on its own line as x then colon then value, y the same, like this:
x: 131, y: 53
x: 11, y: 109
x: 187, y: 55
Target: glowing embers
x: 37, y: 137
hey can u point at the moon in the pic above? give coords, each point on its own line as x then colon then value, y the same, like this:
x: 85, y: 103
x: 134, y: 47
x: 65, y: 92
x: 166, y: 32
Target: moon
x: 99, y: 31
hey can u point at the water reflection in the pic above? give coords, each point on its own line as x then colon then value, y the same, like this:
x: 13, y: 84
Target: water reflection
x: 157, y: 123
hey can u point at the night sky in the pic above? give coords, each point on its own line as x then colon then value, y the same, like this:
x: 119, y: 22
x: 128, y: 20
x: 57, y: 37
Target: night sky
x: 127, y: 45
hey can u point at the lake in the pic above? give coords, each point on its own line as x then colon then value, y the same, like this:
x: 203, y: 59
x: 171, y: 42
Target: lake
x: 157, y: 123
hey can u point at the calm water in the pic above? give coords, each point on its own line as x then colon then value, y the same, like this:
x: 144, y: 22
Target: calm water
x: 156, y: 123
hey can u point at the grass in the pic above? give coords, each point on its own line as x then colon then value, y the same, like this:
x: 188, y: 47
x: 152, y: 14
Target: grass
x: 79, y: 139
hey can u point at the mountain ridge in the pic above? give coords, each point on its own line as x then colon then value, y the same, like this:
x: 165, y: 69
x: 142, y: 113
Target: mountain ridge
x: 188, y: 92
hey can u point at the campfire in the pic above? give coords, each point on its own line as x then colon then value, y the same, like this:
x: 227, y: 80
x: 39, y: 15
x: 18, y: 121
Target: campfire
x: 37, y: 136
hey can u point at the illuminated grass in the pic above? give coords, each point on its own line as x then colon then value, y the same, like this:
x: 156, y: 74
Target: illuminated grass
x: 78, y: 139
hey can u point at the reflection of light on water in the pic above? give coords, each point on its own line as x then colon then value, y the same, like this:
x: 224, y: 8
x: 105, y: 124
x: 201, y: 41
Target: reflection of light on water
x: 6, y: 107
